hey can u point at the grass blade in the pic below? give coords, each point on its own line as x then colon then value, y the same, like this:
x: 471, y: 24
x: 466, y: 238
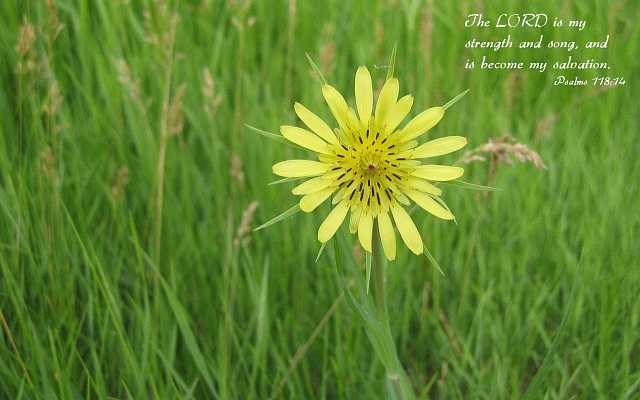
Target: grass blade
x: 189, y: 338
x: 538, y: 382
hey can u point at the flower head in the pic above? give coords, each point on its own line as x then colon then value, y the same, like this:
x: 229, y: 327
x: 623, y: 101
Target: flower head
x: 370, y: 165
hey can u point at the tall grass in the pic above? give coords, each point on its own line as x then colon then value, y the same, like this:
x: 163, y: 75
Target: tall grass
x: 124, y: 270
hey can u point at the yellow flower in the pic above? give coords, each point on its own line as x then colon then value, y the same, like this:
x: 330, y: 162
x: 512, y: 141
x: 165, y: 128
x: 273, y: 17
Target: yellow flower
x: 369, y: 165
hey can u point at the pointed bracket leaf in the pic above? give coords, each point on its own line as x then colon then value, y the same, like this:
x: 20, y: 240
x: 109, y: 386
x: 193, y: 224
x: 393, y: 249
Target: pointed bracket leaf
x: 455, y: 100
x: 472, y: 186
x: 288, y: 213
x: 432, y: 259
x: 315, y: 68
x: 367, y: 258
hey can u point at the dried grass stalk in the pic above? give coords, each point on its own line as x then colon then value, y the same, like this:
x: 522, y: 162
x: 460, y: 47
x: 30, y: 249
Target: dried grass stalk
x: 504, y: 150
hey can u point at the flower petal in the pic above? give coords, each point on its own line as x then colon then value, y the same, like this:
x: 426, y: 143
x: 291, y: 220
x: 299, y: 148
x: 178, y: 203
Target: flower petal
x: 333, y: 222
x: 407, y: 229
x: 312, y: 185
x: 421, y: 123
x: 386, y: 100
x: 337, y: 105
x: 311, y: 201
x: 438, y: 172
x: 300, y: 168
x: 440, y: 146
x: 398, y: 112
x: 304, y: 138
x: 365, y: 229
x: 364, y: 94
x: 355, y: 219
x: 421, y: 186
x: 315, y: 123
x: 429, y: 204
x: 387, y: 235
x: 338, y: 196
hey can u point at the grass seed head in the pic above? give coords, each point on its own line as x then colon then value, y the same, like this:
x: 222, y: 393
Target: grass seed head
x: 503, y: 150
x: 175, y: 116
x: 213, y: 99
x: 48, y: 163
x: 244, y: 229
x: 53, y: 26
x: 26, y: 38
x: 120, y: 182
x: 236, y: 170
x: 54, y: 98
x: 25, y: 48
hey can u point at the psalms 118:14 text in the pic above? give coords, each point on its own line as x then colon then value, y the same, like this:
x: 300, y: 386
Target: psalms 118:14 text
x: 526, y: 20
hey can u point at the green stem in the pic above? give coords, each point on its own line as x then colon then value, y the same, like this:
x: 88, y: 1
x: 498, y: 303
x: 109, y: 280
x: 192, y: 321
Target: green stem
x: 377, y: 272
x: 398, y: 384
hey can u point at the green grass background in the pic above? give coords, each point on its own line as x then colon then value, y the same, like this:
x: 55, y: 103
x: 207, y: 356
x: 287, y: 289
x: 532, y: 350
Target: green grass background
x: 92, y: 309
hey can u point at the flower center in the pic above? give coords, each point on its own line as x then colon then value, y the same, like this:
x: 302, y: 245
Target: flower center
x: 370, y: 170
x: 369, y: 163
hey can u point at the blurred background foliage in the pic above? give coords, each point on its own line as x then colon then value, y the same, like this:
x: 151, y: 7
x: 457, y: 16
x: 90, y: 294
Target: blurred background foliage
x: 129, y: 187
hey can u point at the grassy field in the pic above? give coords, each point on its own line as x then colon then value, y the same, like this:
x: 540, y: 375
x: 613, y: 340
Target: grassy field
x: 127, y: 269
